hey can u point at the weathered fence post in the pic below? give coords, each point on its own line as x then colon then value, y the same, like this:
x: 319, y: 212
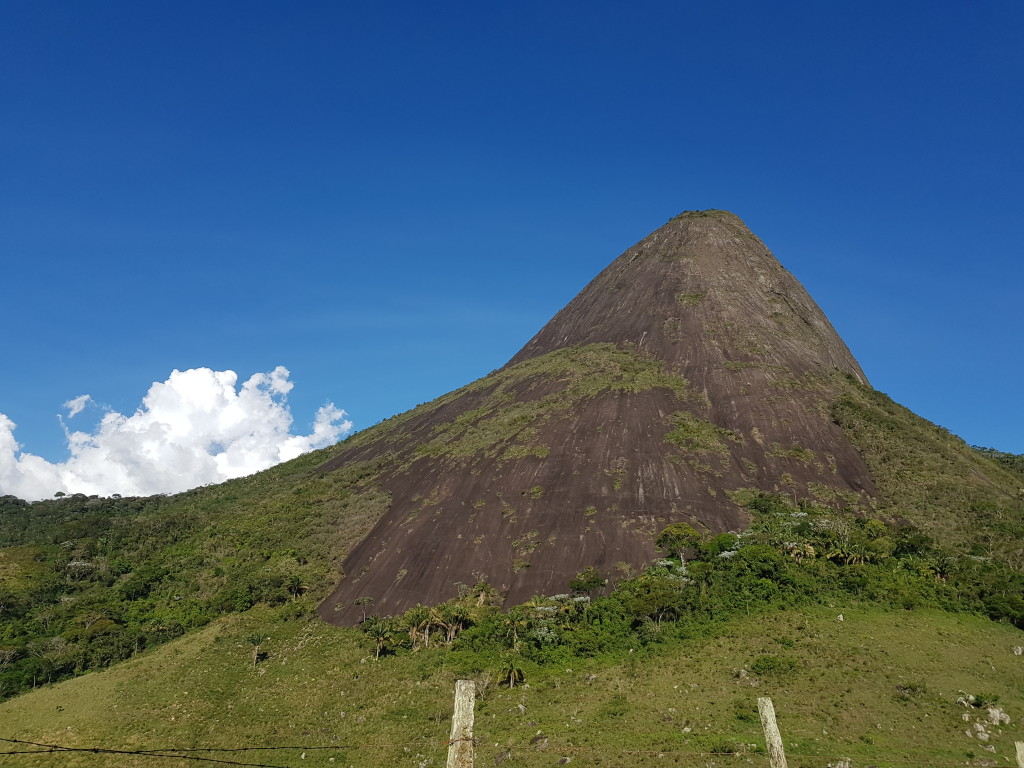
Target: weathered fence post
x: 460, y: 745
x: 772, y: 737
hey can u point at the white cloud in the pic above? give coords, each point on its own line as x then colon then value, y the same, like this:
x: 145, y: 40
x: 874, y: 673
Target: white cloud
x: 193, y: 429
x: 76, y: 405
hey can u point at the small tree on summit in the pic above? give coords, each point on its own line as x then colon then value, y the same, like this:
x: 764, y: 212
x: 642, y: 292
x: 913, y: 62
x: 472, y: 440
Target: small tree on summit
x: 677, y: 537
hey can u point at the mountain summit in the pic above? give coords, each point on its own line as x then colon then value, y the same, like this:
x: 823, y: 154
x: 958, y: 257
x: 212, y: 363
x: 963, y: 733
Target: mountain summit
x: 693, y: 367
x: 700, y: 292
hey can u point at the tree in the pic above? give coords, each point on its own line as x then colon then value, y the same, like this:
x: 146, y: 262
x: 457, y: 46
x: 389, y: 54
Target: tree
x: 587, y: 581
x: 510, y: 672
x: 414, y: 621
x: 296, y: 587
x: 511, y: 623
x: 362, y: 602
x: 483, y: 593
x: 875, y: 529
x: 653, y: 596
x: 256, y: 639
x: 452, y: 617
x: 677, y: 537
x: 432, y: 618
x: 380, y: 630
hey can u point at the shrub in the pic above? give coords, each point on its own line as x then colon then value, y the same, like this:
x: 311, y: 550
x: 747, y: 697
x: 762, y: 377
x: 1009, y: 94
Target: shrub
x: 773, y: 666
x: 587, y: 581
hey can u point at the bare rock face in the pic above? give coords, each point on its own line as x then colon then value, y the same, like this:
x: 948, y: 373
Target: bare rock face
x: 693, y: 366
x: 700, y: 292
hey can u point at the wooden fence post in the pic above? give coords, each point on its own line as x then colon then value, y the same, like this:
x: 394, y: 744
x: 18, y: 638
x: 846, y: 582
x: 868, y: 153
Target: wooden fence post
x: 772, y: 737
x: 460, y: 745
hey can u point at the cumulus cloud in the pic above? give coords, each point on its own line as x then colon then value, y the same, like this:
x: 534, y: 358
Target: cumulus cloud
x: 195, y: 428
x: 76, y: 405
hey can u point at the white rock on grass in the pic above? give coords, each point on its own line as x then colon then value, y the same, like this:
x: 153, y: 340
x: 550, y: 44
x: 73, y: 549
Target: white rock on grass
x: 997, y: 716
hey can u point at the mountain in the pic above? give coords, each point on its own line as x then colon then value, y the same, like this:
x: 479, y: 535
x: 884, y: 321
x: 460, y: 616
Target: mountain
x: 692, y: 367
x: 693, y: 381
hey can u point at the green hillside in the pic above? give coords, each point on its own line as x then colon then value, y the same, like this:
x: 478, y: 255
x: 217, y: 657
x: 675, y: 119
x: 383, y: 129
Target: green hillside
x: 854, y: 688
x: 960, y: 495
x: 179, y: 594
x: 86, y: 582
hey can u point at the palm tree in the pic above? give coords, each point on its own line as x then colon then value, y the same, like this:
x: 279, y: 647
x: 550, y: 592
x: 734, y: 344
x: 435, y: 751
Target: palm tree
x: 432, y: 618
x: 800, y: 551
x: 512, y: 623
x: 413, y: 620
x: 483, y: 592
x: 537, y: 601
x: 944, y: 567
x: 510, y: 672
x: 453, y: 617
x: 380, y: 630
x: 296, y: 586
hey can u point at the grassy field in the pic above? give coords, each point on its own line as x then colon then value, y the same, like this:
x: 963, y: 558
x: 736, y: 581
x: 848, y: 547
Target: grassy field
x: 879, y: 687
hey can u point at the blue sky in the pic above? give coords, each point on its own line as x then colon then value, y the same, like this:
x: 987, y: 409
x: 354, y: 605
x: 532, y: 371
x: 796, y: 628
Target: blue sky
x: 389, y: 199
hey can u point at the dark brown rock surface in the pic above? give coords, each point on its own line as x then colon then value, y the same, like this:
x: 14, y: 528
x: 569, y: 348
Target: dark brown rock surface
x: 693, y: 366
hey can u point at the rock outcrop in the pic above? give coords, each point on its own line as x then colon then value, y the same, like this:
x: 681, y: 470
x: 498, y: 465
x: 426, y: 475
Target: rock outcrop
x: 692, y: 367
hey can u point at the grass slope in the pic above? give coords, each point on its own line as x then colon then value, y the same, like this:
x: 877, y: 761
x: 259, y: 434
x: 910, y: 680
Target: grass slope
x: 930, y: 477
x: 879, y: 687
